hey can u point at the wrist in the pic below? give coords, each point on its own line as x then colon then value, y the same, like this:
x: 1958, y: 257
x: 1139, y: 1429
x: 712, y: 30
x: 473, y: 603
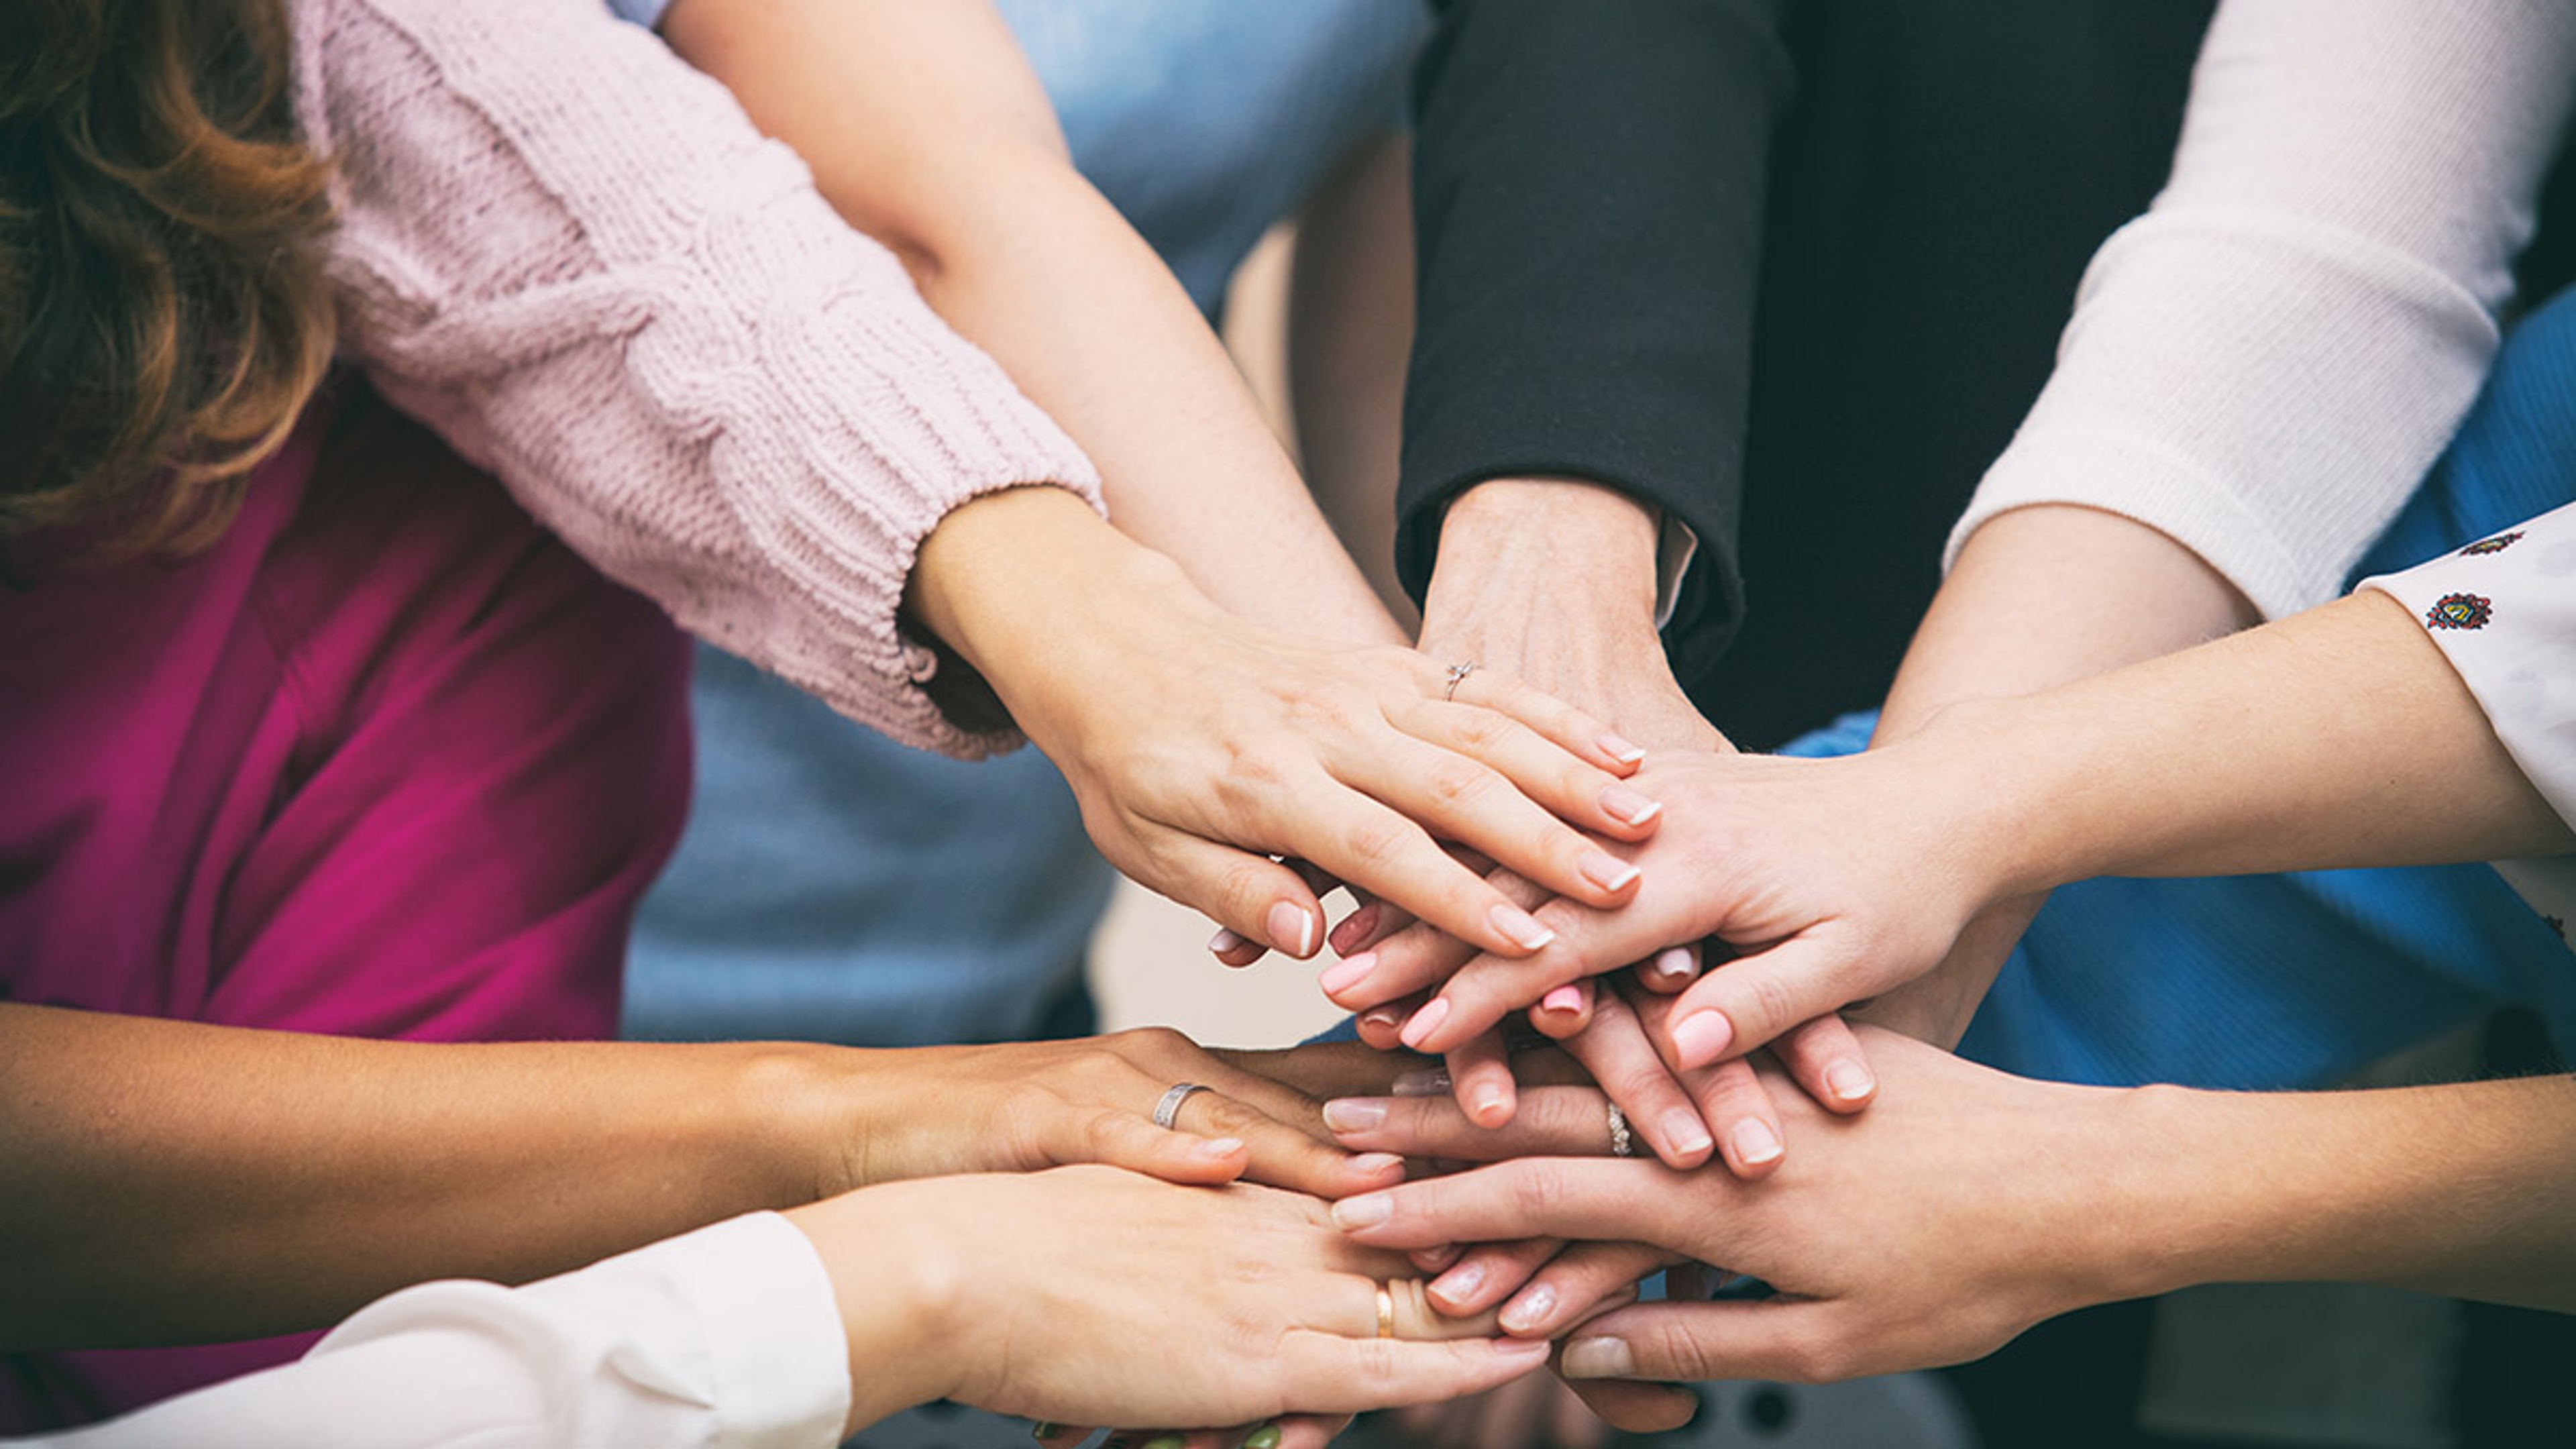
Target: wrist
x: 899, y: 1290
x: 1986, y: 798
x: 1524, y: 549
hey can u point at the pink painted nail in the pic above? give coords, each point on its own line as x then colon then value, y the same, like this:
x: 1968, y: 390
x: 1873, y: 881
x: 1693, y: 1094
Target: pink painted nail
x: 1346, y: 973
x: 1518, y: 926
x: 1606, y: 870
x: 1425, y: 1022
x: 1702, y: 1038
x: 1626, y: 804
x: 1565, y: 1000
x: 1292, y: 928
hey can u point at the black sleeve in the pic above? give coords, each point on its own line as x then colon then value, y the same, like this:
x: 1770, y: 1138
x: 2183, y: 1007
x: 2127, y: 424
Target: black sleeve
x: 1588, y: 193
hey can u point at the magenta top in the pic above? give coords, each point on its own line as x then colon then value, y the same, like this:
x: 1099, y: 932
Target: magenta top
x: 388, y: 761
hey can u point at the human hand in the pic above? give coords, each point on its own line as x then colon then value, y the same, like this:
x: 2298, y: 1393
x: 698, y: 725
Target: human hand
x: 1833, y: 880
x: 1929, y: 1230
x: 884, y: 1116
x: 1199, y: 746
x: 1092, y: 1296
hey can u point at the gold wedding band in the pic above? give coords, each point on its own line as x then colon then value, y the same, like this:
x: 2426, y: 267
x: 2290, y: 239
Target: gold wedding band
x: 1385, y: 1311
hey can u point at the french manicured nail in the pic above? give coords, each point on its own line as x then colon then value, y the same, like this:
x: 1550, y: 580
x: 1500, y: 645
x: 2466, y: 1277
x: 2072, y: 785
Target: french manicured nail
x: 1346, y: 973
x: 1365, y: 1211
x: 1291, y: 927
x: 1489, y: 1106
x: 1755, y: 1142
x: 1684, y: 1130
x: 1518, y: 926
x: 1435, y: 1260
x: 1431, y: 1083
x: 1565, y: 1000
x: 1216, y: 1148
x: 1354, y: 1114
x: 1530, y: 1309
x: 1598, y: 1358
x: 1456, y: 1288
x: 1849, y: 1081
x: 1674, y: 963
x: 1619, y: 747
x: 1265, y: 1437
x: 1425, y: 1022
x: 1606, y: 870
x: 1223, y: 943
x: 1375, y: 1164
x: 1702, y: 1038
x: 1627, y: 804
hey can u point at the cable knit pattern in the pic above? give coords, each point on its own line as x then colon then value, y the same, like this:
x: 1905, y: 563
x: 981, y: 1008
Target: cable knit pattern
x: 2266, y: 363
x: 575, y: 258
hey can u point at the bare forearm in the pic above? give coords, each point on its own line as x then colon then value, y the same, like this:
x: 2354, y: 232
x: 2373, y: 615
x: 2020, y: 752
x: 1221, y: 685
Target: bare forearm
x: 173, y: 1181
x: 2454, y: 1189
x: 2044, y: 596
x: 925, y: 128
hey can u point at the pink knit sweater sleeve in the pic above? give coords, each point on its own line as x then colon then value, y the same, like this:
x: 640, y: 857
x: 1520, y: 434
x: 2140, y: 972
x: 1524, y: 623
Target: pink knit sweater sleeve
x: 576, y: 259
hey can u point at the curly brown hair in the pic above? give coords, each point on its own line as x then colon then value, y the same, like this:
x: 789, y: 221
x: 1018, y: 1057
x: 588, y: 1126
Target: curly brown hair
x: 163, y: 310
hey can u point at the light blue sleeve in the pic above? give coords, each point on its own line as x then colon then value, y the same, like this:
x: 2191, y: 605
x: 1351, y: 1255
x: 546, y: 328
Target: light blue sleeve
x: 647, y: 13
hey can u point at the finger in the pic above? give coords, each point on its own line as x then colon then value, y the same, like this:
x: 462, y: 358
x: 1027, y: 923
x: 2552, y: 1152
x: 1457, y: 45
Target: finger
x: 1419, y: 956
x: 1670, y: 969
x: 1299, y: 1431
x: 1756, y: 997
x: 1480, y: 1073
x: 1564, y: 1012
x: 1489, y: 1273
x: 1551, y: 1122
x: 1566, y: 786
x: 1825, y: 1058
x: 1308, y: 1075
x: 1382, y: 850
x: 1551, y: 718
x: 1259, y: 900
x: 1457, y: 797
x: 1274, y: 1153
x: 1368, y: 923
x: 1123, y: 1139
x: 1637, y: 1408
x: 1791, y: 1340
x: 1738, y: 1108
x: 1336, y: 1375
x: 1382, y: 1027
x: 1559, y: 1197
x: 1577, y: 1284
x: 1620, y: 1055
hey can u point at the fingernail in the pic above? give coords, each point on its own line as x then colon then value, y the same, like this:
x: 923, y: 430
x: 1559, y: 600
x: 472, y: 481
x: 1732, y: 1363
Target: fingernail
x: 1849, y: 1080
x: 1217, y: 1147
x: 1684, y: 1130
x: 1702, y: 1038
x: 1425, y: 1022
x: 1435, y: 1260
x: 1627, y: 804
x: 1674, y: 963
x: 1564, y: 999
x: 1518, y: 926
x: 1223, y: 943
x: 1456, y: 1288
x: 1043, y: 1432
x: 1755, y: 1142
x: 1530, y: 1309
x: 1354, y: 1114
x: 1346, y: 973
x: 1365, y: 1211
x: 1431, y: 1083
x: 1355, y: 927
x: 1383, y: 1018
x: 1375, y: 1164
x: 1265, y: 1437
x: 1619, y: 747
x: 1606, y: 870
x: 1291, y: 928
x: 1165, y: 1441
x: 1598, y: 1358
x: 1489, y: 1108
x: 1521, y: 1348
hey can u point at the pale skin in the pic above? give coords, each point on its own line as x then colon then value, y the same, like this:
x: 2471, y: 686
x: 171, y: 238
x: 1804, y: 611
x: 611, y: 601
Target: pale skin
x: 925, y: 127
x: 1971, y: 1204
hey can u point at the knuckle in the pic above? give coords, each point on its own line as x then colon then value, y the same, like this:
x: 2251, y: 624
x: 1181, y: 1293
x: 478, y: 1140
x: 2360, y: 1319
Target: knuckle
x: 1537, y: 1193
x: 1377, y: 839
x: 1457, y: 784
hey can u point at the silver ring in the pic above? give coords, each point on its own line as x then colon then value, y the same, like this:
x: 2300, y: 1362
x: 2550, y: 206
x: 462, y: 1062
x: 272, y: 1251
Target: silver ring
x: 1457, y: 676
x: 1170, y: 1107
x: 1621, y: 1144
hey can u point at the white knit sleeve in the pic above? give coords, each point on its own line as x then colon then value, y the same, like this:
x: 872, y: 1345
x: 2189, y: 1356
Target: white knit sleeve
x: 575, y: 258
x: 2266, y: 363
x: 726, y: 1338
